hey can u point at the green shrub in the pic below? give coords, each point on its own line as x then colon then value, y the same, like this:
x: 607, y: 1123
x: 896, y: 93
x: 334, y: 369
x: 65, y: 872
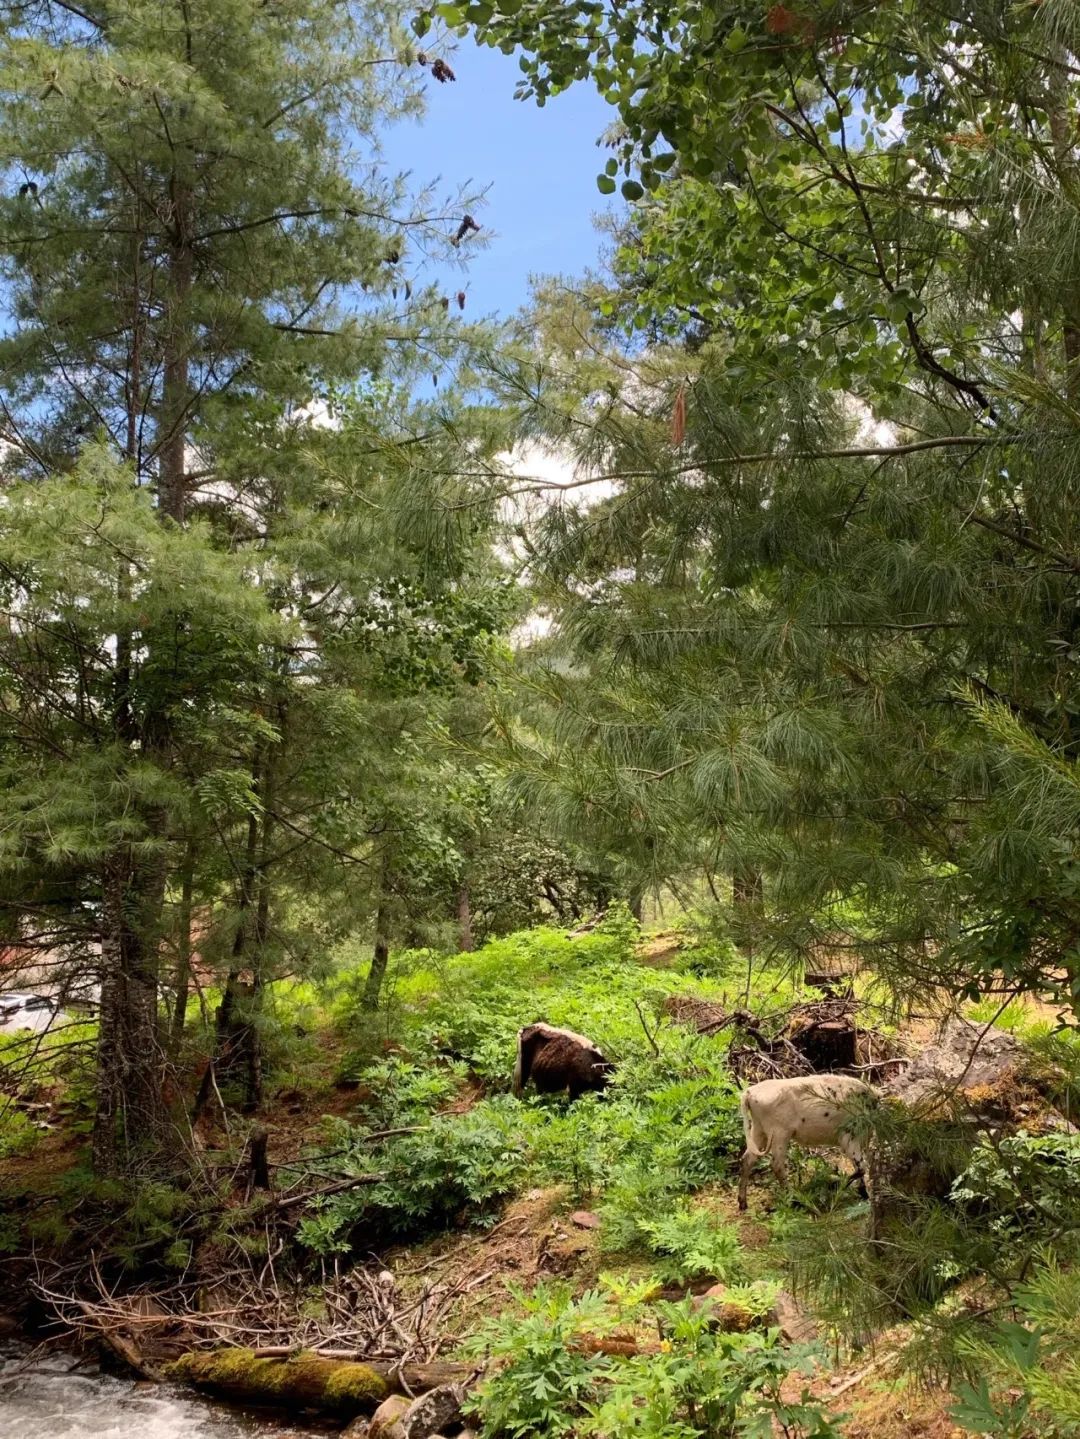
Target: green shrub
x: 18, y: 1134
x: 456, y: 1164
x: 1023, y: 1371
x: 689, y: 1243
x: 1025, y: 1190
x: 696, y: 1383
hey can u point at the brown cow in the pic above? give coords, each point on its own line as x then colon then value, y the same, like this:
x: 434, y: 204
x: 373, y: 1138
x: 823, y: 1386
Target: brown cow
x: 558, y: 1059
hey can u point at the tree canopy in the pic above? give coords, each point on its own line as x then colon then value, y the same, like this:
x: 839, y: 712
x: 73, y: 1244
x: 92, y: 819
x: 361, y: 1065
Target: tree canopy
x: 826, y: 618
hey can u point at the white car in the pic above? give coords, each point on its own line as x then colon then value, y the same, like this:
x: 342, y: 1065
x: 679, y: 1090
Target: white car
x: 26, y: 1011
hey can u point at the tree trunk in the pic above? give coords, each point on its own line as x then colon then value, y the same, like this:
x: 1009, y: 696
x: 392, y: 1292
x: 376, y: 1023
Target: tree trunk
x: 131, y: 1123
x: 176, y: 388
x: 183, y: 959
x: 465, y: 930
x: 238, y: 1036
x: 381, y: 953
x: 253, y: 1097
x: 301, y: 1380
x: 747, y: 887
x: 1063, y: 138
x: 258, y: 1165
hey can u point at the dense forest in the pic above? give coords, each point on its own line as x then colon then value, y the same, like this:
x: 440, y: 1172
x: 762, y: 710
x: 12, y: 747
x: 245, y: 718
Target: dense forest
x: 470, y: 789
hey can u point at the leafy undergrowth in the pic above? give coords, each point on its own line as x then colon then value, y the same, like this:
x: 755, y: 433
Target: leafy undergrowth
x: 668, y: 1125
x: 481, y: 1188
x: 564, y: 1227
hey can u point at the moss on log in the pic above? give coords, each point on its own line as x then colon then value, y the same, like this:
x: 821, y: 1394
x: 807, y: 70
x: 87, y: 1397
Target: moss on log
x: 302, y: 1381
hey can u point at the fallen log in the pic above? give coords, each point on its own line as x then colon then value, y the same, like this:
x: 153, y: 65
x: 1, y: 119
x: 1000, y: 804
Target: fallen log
x: 354, y: 1181
x: 121, y: 1347
x: 612, y: 1347
x: 341, y: 1388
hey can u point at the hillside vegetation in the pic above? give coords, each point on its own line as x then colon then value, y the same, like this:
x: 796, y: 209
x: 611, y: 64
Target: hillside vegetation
x: 371, y: 672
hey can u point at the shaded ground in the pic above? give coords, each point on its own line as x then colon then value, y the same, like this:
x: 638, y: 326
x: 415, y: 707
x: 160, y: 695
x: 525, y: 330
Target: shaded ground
x: 540, y: 1235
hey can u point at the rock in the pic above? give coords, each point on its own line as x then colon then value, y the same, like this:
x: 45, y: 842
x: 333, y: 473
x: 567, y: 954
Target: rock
x: 973, y: 1078
x: 964, y: 1057
x: 794, y: 1323
x: 385, y: 1419
x: 433, y: 1411
x: 724, y: 1316
x: 584, y: 1219
x: 358, y: 1429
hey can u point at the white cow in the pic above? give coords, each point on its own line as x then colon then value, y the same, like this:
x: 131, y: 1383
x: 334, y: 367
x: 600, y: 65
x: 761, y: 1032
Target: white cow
x: 808, y: 1110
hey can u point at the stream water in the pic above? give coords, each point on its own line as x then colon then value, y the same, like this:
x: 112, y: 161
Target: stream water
x: 57, y: 1396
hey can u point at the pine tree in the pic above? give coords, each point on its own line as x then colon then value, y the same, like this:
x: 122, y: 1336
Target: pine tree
x: 198, y: 243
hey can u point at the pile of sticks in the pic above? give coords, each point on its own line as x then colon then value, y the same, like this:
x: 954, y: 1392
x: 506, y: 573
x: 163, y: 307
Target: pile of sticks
x: 360, y: 1315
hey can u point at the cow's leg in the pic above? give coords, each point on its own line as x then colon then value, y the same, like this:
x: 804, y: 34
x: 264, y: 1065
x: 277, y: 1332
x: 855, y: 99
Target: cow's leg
x: 852, y: 1149
x: 757, y: 1146
x: 779, y: 1157
x: 749, y: 1160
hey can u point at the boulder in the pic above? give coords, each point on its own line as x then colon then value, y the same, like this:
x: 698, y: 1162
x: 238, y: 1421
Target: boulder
x: 984, y: 1074
x: 973, y: 1079
x: 384, y: 1422
x: 584, y: 1219
x: 794, y: 1323
x: 964, y: 1057
x: 433, y: 1411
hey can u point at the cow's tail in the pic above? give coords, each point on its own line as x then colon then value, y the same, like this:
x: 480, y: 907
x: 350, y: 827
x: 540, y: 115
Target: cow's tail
x: 757, y: 1136
x: 519, y: 1068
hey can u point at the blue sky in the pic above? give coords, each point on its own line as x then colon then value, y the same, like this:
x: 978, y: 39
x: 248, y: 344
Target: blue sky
x: 540, y: 166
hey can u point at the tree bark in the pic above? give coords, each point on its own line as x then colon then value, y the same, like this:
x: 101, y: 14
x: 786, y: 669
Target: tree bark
x: 747, y: 886
x: 381, y: 953
x: 338, y: 1386
x: 1062, y: 135
x: 132, y: 1122
x: 176, y: 387
x: 258, y: 1166
x: 183, y: 959
x: 465, y: 929
x: 238, y: 1033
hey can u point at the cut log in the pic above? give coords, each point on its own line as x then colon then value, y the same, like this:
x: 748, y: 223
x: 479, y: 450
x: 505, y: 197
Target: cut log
x: 341, y: 1388
x: 258, y: 1169
x: 613, y: 1347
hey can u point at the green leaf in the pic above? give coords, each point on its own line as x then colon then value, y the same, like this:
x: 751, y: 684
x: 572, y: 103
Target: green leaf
x: 737, y: 40
x: 632, y: 190
x: 605, y: 184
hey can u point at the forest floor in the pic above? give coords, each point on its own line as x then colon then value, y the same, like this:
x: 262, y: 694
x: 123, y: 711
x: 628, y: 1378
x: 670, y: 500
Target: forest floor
x: 543, y: 1232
